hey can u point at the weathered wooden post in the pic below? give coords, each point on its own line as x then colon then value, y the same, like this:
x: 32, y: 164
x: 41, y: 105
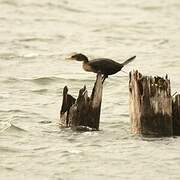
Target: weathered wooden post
x: 150, y: 105
x: 82, y: 113
x: 176, y: 115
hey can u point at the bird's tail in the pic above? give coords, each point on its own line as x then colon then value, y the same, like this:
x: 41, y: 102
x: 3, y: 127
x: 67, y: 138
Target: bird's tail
x: 128, y: 60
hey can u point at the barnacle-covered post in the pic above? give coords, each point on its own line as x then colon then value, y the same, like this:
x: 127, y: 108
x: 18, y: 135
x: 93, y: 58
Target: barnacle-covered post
x: 150, y: 105
x: 82, y: 113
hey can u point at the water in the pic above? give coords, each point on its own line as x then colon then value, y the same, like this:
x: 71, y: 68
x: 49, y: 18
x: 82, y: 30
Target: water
x: 35, y: 37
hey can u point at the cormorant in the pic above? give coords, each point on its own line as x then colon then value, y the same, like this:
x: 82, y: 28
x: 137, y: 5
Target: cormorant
x: 102, y: 65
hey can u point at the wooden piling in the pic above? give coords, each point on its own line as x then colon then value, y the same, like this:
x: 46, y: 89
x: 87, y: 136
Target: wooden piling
x: 150, y: 105
x: 82, y: 113
x: 176, y: 115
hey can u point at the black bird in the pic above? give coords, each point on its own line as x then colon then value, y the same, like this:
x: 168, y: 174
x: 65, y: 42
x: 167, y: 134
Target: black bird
x: 100, y: 65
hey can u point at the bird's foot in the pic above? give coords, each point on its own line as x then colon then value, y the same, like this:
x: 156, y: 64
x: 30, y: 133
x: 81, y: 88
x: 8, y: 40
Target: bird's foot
x: 104, y: 77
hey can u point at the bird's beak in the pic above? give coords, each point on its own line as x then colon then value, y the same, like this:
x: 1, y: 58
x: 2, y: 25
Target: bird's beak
x: 70, y: 56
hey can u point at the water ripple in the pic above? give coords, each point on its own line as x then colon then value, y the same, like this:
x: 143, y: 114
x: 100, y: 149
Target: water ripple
x: 8, y: 149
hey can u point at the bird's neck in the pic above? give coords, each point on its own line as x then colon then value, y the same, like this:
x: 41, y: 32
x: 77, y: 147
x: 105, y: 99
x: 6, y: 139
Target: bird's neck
x: 86, y: 66
x: 85, y: 61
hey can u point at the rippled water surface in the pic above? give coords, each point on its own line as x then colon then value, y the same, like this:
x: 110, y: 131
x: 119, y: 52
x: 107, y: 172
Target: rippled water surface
x: 35, y: 37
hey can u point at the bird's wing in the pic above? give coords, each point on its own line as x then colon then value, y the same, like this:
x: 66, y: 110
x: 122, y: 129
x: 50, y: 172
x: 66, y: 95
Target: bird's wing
x: 104, y: 65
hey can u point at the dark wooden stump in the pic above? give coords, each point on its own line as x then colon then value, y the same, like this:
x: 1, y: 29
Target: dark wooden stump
x: 82, y: 113
x: 176, y: 115
x: 150, y: 105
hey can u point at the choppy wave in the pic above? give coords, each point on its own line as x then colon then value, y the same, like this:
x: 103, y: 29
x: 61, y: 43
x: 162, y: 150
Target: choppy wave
x: 66, y: 7
x: 14, y: 128
x: 8, y: 56
x: 45, y: 122
x: 34, y: 39
x: 9, y: 127
x: 44, y: 80
x: 8, y: 149
x: 13, y: 111
x: 48, y: 80
x: 42, y: 39
x: 40, y: 91
x: 10, y: 80
x: 9, y: 2
x: 39, y: 80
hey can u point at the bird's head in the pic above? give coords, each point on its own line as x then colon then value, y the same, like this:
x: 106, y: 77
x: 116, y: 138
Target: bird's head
x: 78, y: 57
